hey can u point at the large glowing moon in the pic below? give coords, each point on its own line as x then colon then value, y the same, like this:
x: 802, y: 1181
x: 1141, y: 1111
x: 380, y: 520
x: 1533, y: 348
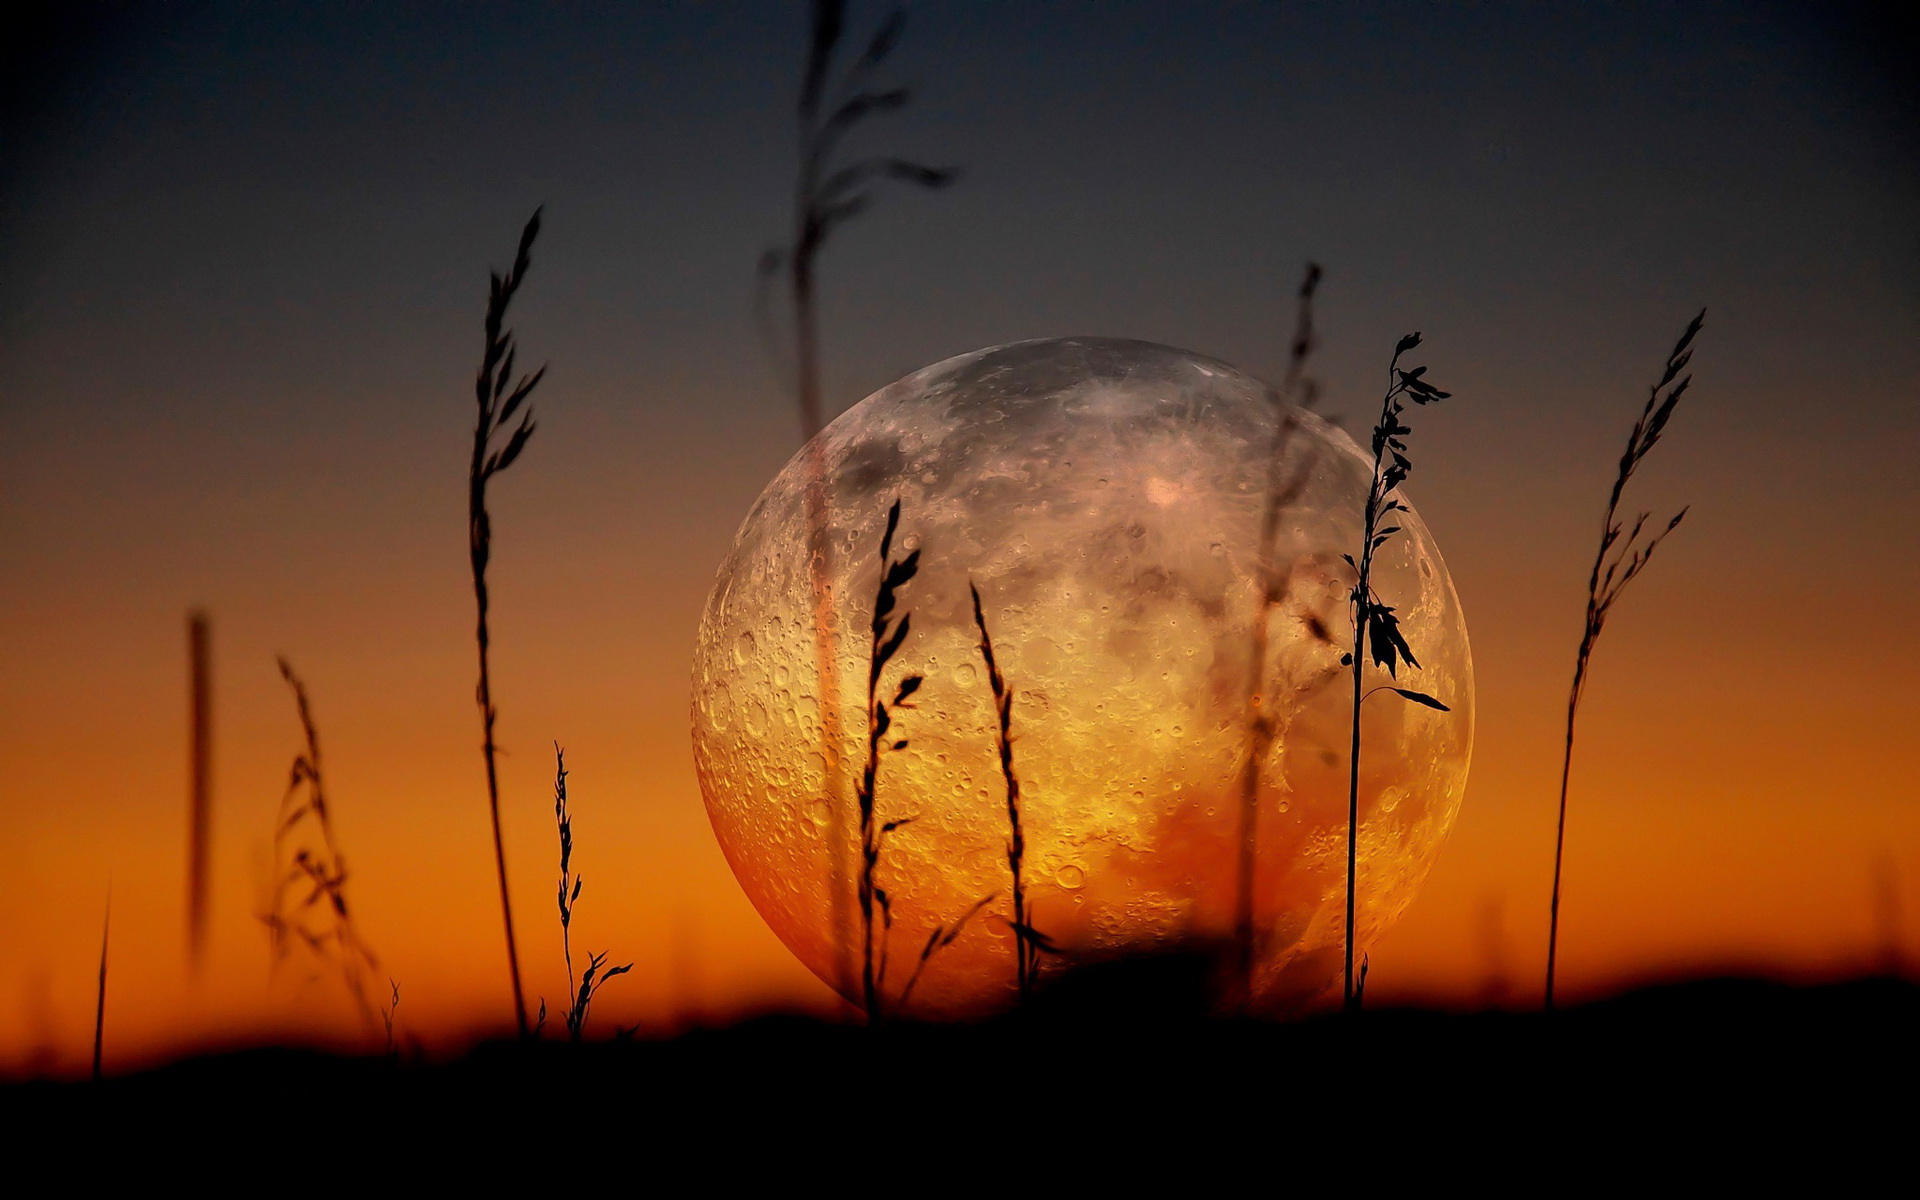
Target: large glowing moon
x: 1105, y: 497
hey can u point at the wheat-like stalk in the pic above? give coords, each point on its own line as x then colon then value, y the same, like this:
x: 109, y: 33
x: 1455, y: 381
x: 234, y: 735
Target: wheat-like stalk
x: 939, y: 939
x: 496, y: 406
x: 597, y: 973
x: 307, y: 900
x: 1028, y: 942
x: 888, y: 635
x: 1616, y: 564
x: 828, y: 193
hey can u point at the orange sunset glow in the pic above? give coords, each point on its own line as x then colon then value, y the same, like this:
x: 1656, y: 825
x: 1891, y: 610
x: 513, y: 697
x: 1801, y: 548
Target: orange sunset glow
x: 246, y: 253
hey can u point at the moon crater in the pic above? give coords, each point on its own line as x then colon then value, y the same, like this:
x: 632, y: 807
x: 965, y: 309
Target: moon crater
x: 1105, y: 496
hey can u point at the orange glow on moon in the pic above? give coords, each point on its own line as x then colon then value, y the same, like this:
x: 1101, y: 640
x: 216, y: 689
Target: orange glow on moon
x: 1105, y: 498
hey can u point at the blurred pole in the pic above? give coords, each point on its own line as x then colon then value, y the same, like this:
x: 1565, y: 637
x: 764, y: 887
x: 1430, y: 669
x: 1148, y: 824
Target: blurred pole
x: 100, y: 998
x: 1886, y: 912
x: 1495, y: 987
x: 200, y: 814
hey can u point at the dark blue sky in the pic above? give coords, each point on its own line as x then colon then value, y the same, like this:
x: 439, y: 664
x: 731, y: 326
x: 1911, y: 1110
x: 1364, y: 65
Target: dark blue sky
x: 272, y: 220
x: 246, y: 217
x: 1140, y: 168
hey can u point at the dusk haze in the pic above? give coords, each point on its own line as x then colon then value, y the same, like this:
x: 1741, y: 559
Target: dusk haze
x: 980, y: 521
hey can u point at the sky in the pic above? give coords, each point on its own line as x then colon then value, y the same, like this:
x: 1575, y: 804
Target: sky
x: 244, y: 253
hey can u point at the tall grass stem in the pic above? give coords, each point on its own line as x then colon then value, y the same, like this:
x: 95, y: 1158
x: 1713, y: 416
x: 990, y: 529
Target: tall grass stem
x: 496, y: 407
x: 1616, y: 563
x: 1375, y: 628
x: 887, y: 636
x: 200, y: 799
x: 310, y: 877
x: 1028, y: 942
x: 1297, y: 393
x: 100, y: 996
x: 827, y: 194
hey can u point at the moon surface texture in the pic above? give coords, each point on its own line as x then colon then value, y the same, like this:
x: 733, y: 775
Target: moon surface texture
x: 1105, y: 496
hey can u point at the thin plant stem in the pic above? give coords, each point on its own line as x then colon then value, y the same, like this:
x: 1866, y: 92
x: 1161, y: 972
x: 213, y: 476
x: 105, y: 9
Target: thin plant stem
x: 387, y: 1015
x: 826, y: 660
x: 317, y: 867
x: 1028, y: 942
x: 570, y: 884
x: 941, y: 937
x: 1282, y: 491
x: 870, y: 844
x: 1374, y: 625
x: 496, y: 406
x: 827, y: 195
x: 888, y: 635
x: 581, y: 991
x: 1560, y: 824
x: 1353, y: 804
x: 100, y: 997
x: 1616, y: 563
x: 200, y: 804
x: 820, y: 578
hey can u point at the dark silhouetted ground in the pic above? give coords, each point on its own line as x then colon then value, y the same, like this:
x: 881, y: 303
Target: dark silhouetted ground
x: 1116, y: 1078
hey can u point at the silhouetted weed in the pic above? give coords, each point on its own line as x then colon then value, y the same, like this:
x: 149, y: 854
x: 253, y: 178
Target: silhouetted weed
x: 1028, y: 942
x: 496, y: 407
x: 100, y: 997
x: 1296, y: 394
x: 939, y: 939
x: 1375, y: 628
x: 828, y: 194
x: 200, y: 810
x: 387, y: 1015
x: 888, y: 635
x: 1616, y: 564
x: 596, y: 975
x: 307, y: 900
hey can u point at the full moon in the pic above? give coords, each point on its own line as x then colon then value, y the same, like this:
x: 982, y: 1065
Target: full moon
x: 1105, y: 497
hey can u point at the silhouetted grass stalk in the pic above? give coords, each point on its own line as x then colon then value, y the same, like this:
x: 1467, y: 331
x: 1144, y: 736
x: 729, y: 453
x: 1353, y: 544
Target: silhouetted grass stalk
x: 887, y: 637
x: 387, y: 1016
x: 200, y: 802
x: 1296, y: 393
x: 569, y: 884
x: 583, y: 992
x: 1615, y: 565
x: 1374, y: 625
x: 496, y: 406
x: 100, y: 997
x: 319, y: 869
x: 1028, y: 941
x: 939, y: 939
x: 826, y: 196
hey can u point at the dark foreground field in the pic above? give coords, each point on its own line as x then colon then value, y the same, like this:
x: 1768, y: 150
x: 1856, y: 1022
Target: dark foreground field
x: 1724, y: 1079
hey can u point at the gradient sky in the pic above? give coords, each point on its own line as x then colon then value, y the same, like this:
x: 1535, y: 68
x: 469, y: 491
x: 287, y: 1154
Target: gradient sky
x: 244, y: 255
